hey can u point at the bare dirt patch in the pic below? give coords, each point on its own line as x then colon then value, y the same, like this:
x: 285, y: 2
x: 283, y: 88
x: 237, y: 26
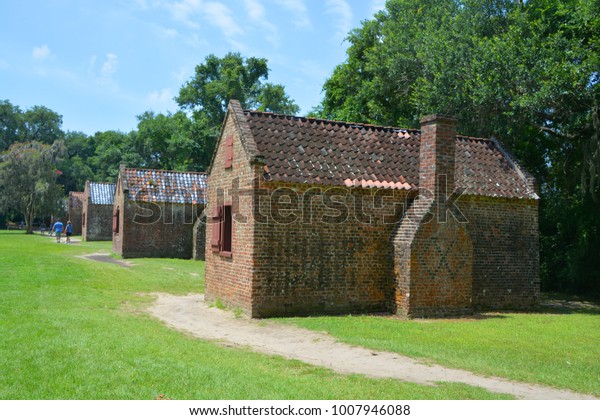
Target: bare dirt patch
x: 192, y: 315
x: 106, y: 258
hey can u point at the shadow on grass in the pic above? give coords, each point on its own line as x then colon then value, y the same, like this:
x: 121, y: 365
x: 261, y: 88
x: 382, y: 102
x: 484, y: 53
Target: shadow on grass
x: 552, y: 303
x: 558, y: 303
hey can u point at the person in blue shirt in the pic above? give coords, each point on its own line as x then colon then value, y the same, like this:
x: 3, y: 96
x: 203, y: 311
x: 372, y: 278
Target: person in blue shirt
x: 69, y: 231
x: 57, y: 229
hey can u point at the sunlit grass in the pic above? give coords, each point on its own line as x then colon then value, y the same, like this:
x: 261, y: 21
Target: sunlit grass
x: 557, y: 349
x: 72, y: 328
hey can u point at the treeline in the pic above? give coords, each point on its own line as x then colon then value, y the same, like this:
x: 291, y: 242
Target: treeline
x: 182, y: 141
x: 526, y: 72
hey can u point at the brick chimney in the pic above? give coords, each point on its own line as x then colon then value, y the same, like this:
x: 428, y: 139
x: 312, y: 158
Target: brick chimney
x: 438, y: 144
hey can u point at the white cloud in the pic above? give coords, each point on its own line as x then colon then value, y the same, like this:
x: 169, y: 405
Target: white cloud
x: 192, y: 12
x: 257, y: 15
x: 298, y: 8
x: 220, y: 15
x: 342, y: 15
x: 195, y: 41
x: 377, y: 5
x: 186, y: 11
x: 312, y: 69
x: 107, y: 70
x: 168, y: 32
x: 147, y: 4
x: 239, y: 46
x: 255, y: 10
x: 40, y: 53
x: 181, y: 75
x: 109, y: 67
x: 162, y: 98
x: 92, y: 64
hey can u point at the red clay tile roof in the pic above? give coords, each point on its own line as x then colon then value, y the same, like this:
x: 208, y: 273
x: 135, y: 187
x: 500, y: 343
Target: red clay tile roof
x: 151, y: 185
x: 484, y: 168
x: 314, y: 151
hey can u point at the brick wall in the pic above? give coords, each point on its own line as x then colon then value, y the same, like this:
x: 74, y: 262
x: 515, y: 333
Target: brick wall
x: 74, y: 212
x: 199, y: 239
x: 96, y: 222
x: 119, y: 203
x: 433, y: 254
x: 505, y: 251
x: 229, y: 278
x: 433, y: 263
x: 333, y: 258
x: 167, y: 233
x: 437, y: 155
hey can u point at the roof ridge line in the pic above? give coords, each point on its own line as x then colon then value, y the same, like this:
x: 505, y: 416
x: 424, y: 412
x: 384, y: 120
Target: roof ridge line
x: 529, y: 179
x: 460, y: 136
x: 163, y: 170
x: 338, y: 122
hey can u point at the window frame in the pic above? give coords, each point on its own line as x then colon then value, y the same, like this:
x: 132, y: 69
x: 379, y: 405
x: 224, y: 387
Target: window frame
x: 222, y: 230
x: 116, y: 220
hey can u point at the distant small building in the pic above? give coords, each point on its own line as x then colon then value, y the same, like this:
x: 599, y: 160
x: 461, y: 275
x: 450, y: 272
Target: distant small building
x: 154, y: 212
x: 74, y: 210
x: 96, y: 219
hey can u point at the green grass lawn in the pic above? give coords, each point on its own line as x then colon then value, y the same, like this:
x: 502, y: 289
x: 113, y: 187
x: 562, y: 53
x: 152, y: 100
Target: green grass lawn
x: 556, y: 348
x: 74, y: 329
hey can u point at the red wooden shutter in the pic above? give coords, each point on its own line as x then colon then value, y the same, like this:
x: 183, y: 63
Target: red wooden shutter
x: 227, y: 230
x: 229, y: 151
x: 215, y: 240
x: 116, y: 221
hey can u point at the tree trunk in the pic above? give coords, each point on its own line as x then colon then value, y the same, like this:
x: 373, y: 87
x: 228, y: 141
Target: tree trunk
x: 30, y: 217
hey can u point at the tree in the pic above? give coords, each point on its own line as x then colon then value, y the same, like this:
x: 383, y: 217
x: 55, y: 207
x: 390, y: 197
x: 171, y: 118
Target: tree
x: 28, y: 177
x: 167, y: 141
x: 41, y: 124
x: 526, y: 72
x: 11, y: 124
x: 75, y: 168
x: 215, y: 83
x: 112, y: 149
x: 38, y: 123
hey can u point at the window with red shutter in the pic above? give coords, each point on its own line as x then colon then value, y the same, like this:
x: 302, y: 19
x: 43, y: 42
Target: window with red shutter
x: 215, y: 240
x: 226, y: 231
x: 229, y: 151
x: 116, y: 217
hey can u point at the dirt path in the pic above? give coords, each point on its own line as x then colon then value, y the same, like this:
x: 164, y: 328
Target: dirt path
x: 191, y: 314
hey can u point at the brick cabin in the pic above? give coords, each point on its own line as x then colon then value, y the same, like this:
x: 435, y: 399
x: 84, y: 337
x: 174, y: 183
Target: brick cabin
x: 154, y: 212
x: 307, y: 216
x: 96, y: 218
x: 74, y: 210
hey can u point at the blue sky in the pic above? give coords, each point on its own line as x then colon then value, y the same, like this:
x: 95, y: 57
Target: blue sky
x: 101, y: 63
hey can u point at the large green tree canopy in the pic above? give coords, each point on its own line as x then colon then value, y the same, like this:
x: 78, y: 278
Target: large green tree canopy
x: 38, y: 123
x: 524, y: 71
x: 28, y: 179
x: 218, y: 80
